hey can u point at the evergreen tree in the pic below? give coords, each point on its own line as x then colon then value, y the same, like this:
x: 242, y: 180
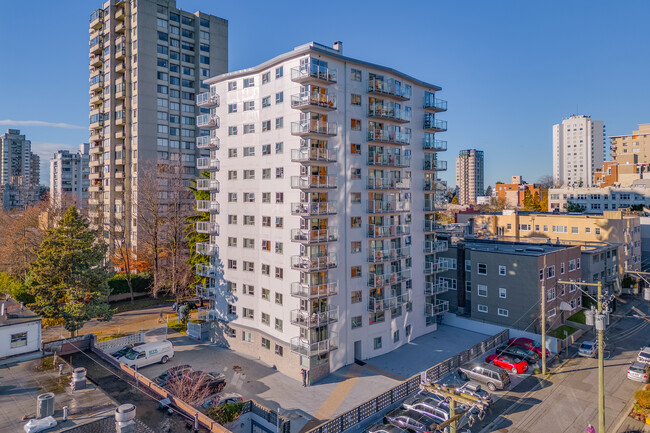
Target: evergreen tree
x: 488, y: 191
x: 454, y: 200
x: 528, y: 200
x: 70, y: 281
x: 537, y: 204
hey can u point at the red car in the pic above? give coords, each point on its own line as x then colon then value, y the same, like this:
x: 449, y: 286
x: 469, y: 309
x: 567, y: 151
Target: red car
x: 529, y: 344
x: 508, y: 362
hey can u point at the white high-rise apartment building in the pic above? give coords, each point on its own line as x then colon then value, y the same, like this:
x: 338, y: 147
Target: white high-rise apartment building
x: 147, y: 62
x: 69, y: 177
x: 323, y: 237
x: 578, y: 150
x: 469, y: 175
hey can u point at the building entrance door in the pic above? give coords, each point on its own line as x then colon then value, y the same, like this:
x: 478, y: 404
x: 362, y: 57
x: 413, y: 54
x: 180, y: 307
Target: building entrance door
x: 357, y: 350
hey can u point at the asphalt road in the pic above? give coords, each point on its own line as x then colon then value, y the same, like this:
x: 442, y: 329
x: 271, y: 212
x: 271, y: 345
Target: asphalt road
x: 566, y: 401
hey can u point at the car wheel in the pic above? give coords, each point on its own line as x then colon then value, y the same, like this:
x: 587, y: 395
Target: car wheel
x: 491, y: 387
x: 164, y: 359
x: 514, y: 370
x: 462, y: 375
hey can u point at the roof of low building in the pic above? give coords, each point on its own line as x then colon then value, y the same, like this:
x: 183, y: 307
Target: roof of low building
x: 107, y: 425
x: 16, y: 314
x: 517, y: 248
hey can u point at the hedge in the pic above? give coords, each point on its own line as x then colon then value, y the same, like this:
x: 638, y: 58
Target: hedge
x: 141, y: 283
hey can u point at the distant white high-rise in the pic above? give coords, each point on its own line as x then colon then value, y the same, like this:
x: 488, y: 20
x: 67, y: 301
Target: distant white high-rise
x: 469, y: 175
x: 69, y: 177
x: 578, y: 150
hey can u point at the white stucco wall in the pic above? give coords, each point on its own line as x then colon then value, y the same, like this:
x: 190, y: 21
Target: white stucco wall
x: 33, y: 330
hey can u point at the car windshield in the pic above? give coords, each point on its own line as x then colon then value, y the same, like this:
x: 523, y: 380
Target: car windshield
x: 645, y: 354
x: 636, y: 369
x: 131, y: 354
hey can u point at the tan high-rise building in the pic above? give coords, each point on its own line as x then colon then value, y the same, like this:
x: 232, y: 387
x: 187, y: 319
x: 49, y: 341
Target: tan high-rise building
x: 469, y: 175
x: 147, y: 63
x: 633, y: 148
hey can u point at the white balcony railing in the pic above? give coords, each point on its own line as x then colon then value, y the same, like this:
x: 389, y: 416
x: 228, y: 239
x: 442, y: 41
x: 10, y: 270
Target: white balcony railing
x: 206, y: 270
x: 313, y: 208
x: 207, y: 206
x: 435, y: 246
x: 309, y: 182
x: 310, y: 264
x: 313, y: 71
x: 431, y: 288
x: 207, y: 185
x: 390, y: 254
x: 306, y: 291
x: 376, y: 304
x: 313, y: 154
x: 304, y: 347
x: 380, y: 280
x: 432, y: 267
x: 389, y: 183
x: 207, y: 249
x: 318, y: 127
x: 314, y: 319
x: 208, y: 163
x: 329, y: 234
x: 379, y: 231
x: 439, y: 307
x: 382, y: 206
x: 207, y: 227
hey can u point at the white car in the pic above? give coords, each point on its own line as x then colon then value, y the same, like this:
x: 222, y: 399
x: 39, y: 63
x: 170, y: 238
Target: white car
x: 644, y: 355
x: 588, y: 349
x: 639, y: 372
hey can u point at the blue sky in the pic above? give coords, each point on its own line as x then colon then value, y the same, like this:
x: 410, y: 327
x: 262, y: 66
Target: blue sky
x: 509, y: 69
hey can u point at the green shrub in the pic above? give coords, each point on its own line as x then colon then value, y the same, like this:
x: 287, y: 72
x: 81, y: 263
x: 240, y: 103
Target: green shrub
x: 578, y: 317
x: 15, y: 288
x: 225, y: 413
x: 178, y: 327
x: 141, y: 283
x: 559, y: 332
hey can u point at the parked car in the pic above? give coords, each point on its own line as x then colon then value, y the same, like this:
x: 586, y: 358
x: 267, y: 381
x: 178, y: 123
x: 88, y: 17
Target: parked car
x: 222, y: 398
x: 177, y: 371
x: 639, y: 372
x: 190, y: 303
x: 474, y: 389
x: 494, y: 378
x: 123, y: 351
x: 385, y: 428
x: 521, y: 352
x: 508, y: 362
x: 644, y: 355
x: 149, y: 353
x: 429, y: 406
x: 215, y: 381
x: 529, y: 344
x: 588, y: 349
x: 411, y: 420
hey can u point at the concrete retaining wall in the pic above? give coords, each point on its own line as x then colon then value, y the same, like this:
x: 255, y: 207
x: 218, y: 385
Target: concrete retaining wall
x: 68, y: 345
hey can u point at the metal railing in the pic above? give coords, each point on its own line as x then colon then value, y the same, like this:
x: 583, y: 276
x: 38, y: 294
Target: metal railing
x: 313, y: 71
x: 312, y: 154
x: 440, y: 265
x: 309, y: 181
x: 377, y: 231
x: 389, y: 111
x: 206, y: 249
x: 205, y: 291
x: 305, y: 348
x: 434, y: 164
x: 389, y: 87
x: 389, y: 160
x: 208, y: 163
x: 329, y: 234
x: 207, y: 99
x: 207, y: 206
x: 205, y: 270
x: 208, y: 141
x: 430, y: 101
x: 434, y: 124
x: 310, y: 264
x: 435, y: 246
x: 385, y: 255
x: 207, y: 185
x: 311, y: 99
x: 313, y: 127
x: 387, y: 135
x: 388, y: 183
x: 207, y: 227
x: 431, y: 288
x: 430, y: 143
x: 375, y: 304
x: 382, y: 206
x: 380, y: 280
x: 314, y: 319
x: 207, y: 121
x: 307, y: 291
x: 439, y: 307
x: 313, y: 209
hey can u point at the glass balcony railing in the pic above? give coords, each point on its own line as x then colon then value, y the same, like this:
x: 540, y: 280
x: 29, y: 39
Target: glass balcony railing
x: 310, y: 264
x: 309, y: 182
x: 389, y: 112
x: 381, y: 206
x: 207, y: 206
x: 306, y: 319
x: 389, y: 87
x: 311, y: 99
x: 207, y: 121
x: 433, y: 124
x: 313, y: 208
x: 304, y: 347
x: 435, y: 185
x: 440, y: 265
x: 206, y: 270
x: 434, y: 164
x: 313, y: 72
x: 207, y: 227
x: 380, y: 280
x: 387, y: 183
x: 317, y: 127
x: 208, y: 141
x: 378, y: 231
x: 312, y: 154
x: 207, y: 99
x: 432, y: 226
x: 439, y: 307
x: 389, y: 159
x: 208, y: 163
x: 207, y: 249
x: 430, y: 143
x: 435, y: 247
x: 390, y: 254
x: 431, y: 103
x: 431, y: 288
x: 205, y: 291
x: 306, y: 291
x: 308, y: 236
x: 207, y: 185
x: 375, y: 304
x: 391, y: 136
x: 429, y: 205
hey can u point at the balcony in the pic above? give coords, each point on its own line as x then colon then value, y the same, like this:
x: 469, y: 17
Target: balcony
x: 207, y: 227
x: 204, y: 291
x: 439, y: 307
x: 207, y: 99
x: 430, y: 143
x: 96, y: 19
x: 313, y: 127
x: 97, y: 99
x: 429, y: 205
x: 377, y: 231
x: 389, y: 136
x: 120, y: 28
x: 375, y: 304
x: 431, y: 124
x: 307, y: 236
x: 390, y: 88
x: 305, y: 319
x: 388, y: 255
x: 313, y: 73
x: 311, y: 264
x: 96, y: 60
x: 313, y: 101
x: 435, y: 185
x: 303, y: 347
x: 120, y: 67
x: 208, y: 141
x: 313, y: 182
x: 440, y: 265
x: 96, y: 83
x: 388, y: 183
x: 207, y: 121
x: 207, y: 206
x: 120, y: 53
x: 207, y: 185
x: 313, y: 209
x: 96, y: 45
x: 435, y: 247
x: 306, y: 291
x: 389, y: 160
x: 119, y: 14
x: 207, y: 163
x: 207, y: 249
x: 434, y: 164
x: 431, y: 288
x: 381, y: 206
x: 312, y: 154
x: 119, y: 134
x: 389, y: 112
x: 206, y: 270
x: 433, y: 104
x: 381, y: 280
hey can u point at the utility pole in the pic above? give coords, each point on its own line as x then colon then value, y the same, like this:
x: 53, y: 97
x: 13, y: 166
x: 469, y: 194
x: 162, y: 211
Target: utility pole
x: 450, y: 393
x: 544, y: 318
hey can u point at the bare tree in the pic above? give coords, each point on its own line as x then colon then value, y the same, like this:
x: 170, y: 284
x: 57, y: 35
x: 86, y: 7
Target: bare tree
x: 192, y: 388
x: 547, y: 181
x: 124, y: 257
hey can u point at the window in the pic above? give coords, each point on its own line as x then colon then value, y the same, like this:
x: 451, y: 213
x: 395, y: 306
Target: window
x: 468, y: 266
x: 279, y: 123
x: 355, y: 222
x: 396, y: 336
x: 503, y: 293
x: 232, y: 309
x: 232, y: 197
x: 266, y: 320
x: 248, y: 289
x: 279, y: 222
x: 232, y: 130
x: 266, y: 221
x: 355, y: 173
x: 232, y: 242
x: 502, y: 312
x: 550, y: 272
x: 232, y: 264
x: 408, y: 330
x: 355, y: 296
x: 266, y: 149
x: 249, y: 174
x: 278, y: 324
x: 502, y: 270
x: 278, y: 297
x: 266, y: 245
x: 355, y: 247
x: 279, y: 247
x: 577, y: 263
x: 18, y: 340
x: 355, y: 149
x: 355, y: 99
x: 232, y: 85
x: 279, y: 72
x: 266, y: 294
x: 248, y: 105
x: 356, y: 322
x: 266, y: 101
x: 266, y: 77
x: 246, y: 335
x: 232, y: 153
x: 574, y: 230
x: 355, y: 124
x: 249, y: 82
x: 562, y: 268
x: 550, y: 294
x: 355, y: 197
x: 279, y: 197
x: 597, y: 231
x: 559, y: 229
x: 249, y: 220
x: 249, y: 151
x: 249, y: 128
x: 249, y: 266
x: 279, y: 147
x: 248, y: 313
x: 482, y: 290
x: 551, y: 313
x: 377, y: 343
x: 355, y: 74
x: 541, y: 275
x: 266, y: 197
x: 481, y: 269
x: 355, y: 271
x: 249, y: 243
x: 482, y: 308
x: 266, y: 126
x: 266, y: 269
x: 279, y: 97
x: 279, y: 273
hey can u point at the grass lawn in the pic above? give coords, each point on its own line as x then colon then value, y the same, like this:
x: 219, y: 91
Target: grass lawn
x: 173, y: 324
x: 138, y: 304
x: 110, y: 337
x: 578, y: 317
x: 559, y: 332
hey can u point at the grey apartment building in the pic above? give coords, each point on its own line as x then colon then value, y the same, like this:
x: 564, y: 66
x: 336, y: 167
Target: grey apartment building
x: 501, y: 282
x: 147, y: 62
x: 19, y: 171
x: 69, y: 177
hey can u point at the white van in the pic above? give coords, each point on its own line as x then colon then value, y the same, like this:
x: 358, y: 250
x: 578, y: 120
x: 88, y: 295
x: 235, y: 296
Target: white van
x: 148, y: 353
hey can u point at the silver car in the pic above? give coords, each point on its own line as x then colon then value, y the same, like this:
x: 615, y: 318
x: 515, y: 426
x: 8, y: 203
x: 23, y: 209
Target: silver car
x: 639, y: 372
x: 428, y: 406
x: 644, y: 355
x: 384, y: 428
x: 588, y: 349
